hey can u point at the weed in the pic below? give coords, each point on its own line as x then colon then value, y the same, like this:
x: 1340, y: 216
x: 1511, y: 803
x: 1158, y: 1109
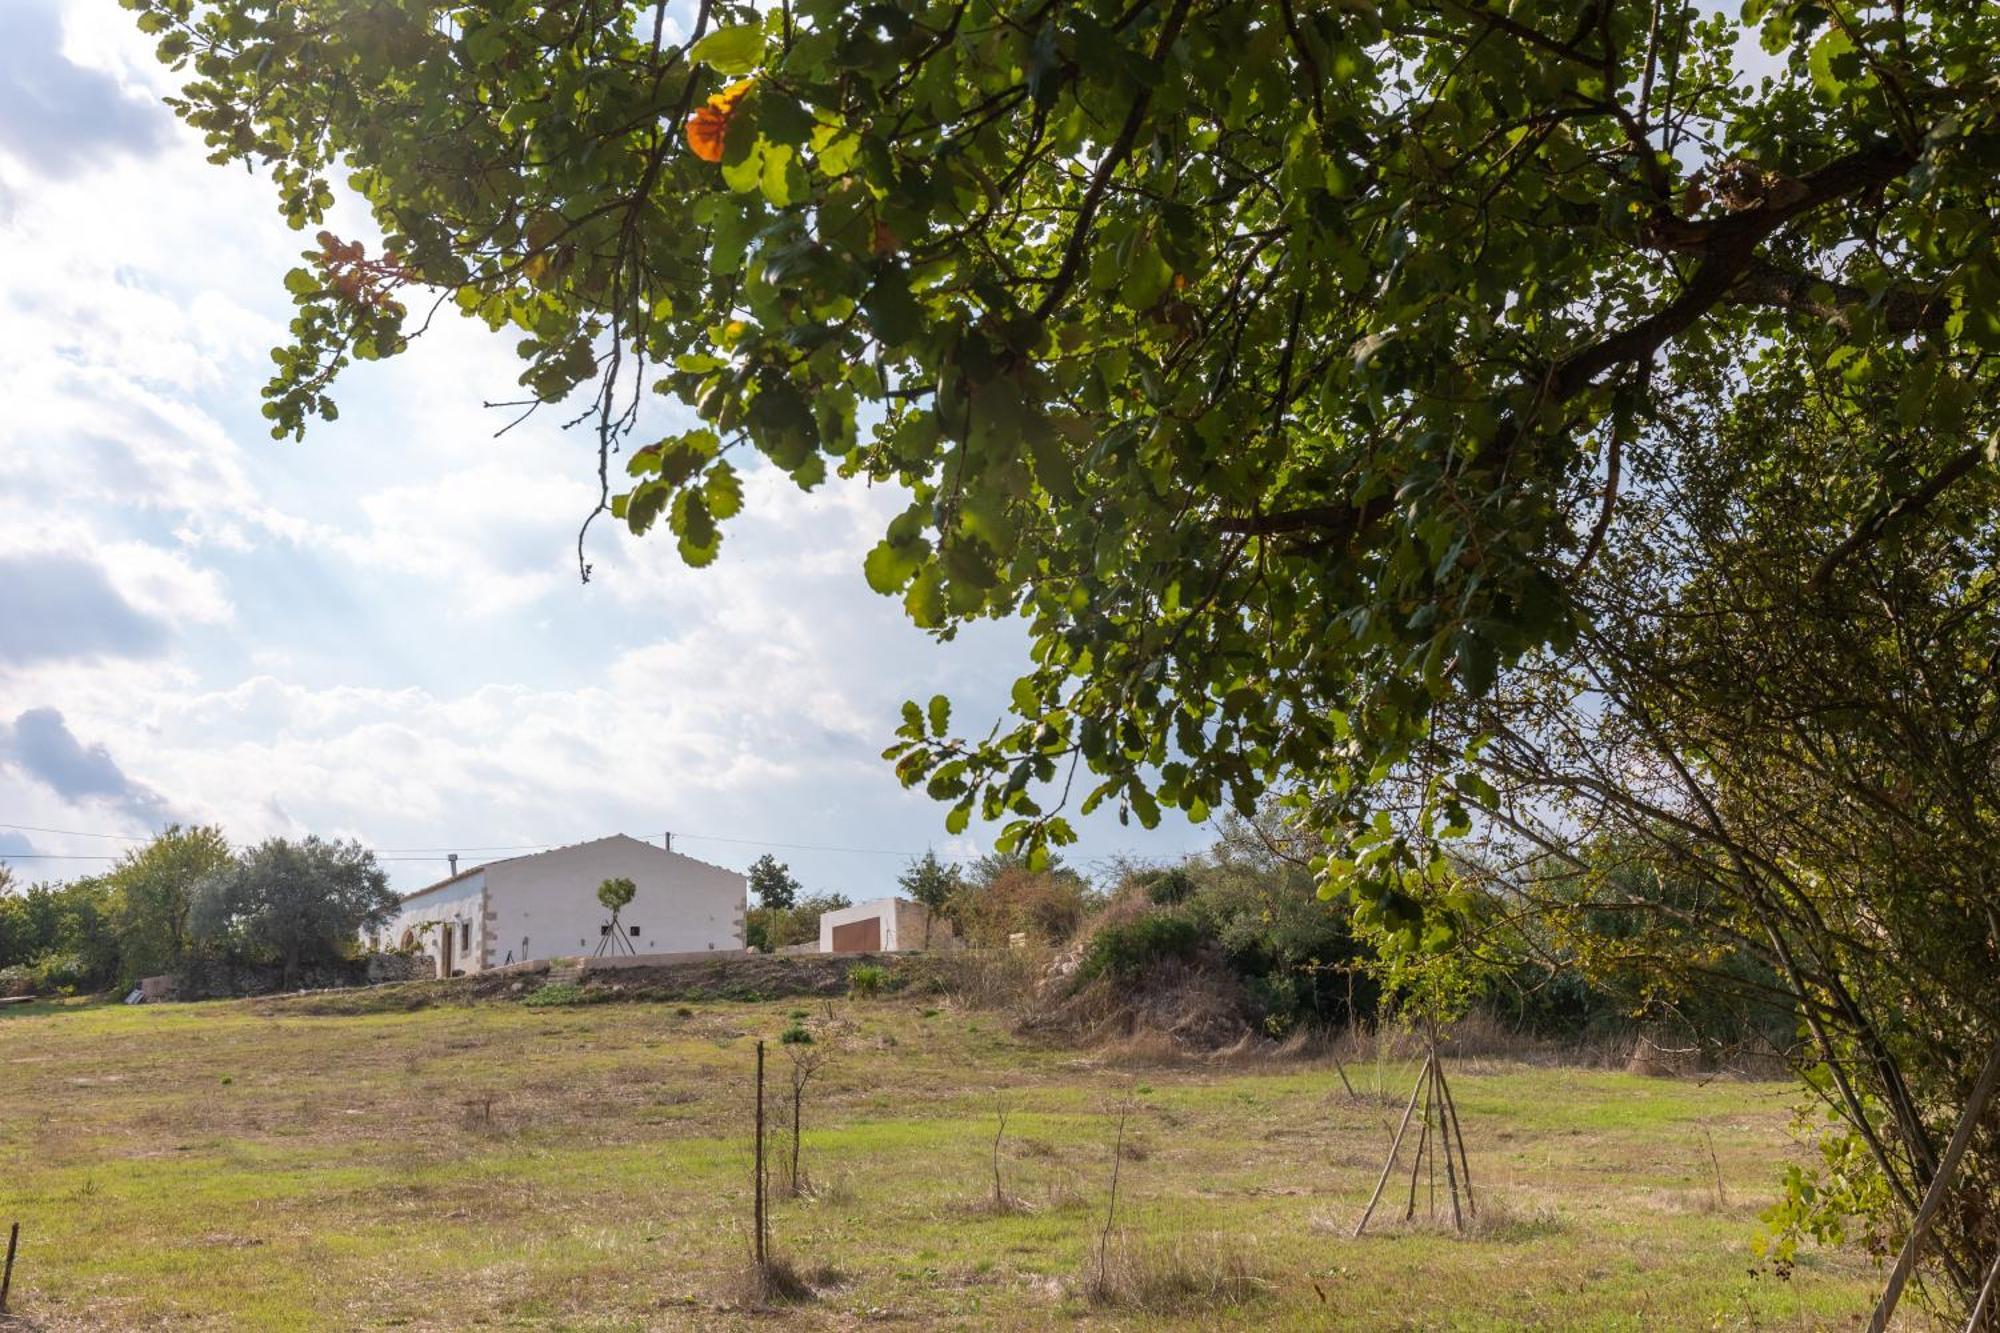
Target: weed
x: 556, y: 995
x: 795, y: 1035
x: 866, y: 980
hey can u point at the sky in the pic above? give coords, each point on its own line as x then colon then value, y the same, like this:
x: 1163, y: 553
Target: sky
x: 379, y: 633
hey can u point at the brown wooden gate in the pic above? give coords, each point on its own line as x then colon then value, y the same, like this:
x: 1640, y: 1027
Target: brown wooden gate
x: 858, y: 936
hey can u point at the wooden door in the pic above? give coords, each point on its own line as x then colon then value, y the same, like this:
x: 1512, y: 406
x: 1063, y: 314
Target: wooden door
x: 858, y: 936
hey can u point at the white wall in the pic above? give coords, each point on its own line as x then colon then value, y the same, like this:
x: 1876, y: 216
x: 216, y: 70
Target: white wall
x: 545, y: 906
x: 456, y: 906
x: 902, y: 924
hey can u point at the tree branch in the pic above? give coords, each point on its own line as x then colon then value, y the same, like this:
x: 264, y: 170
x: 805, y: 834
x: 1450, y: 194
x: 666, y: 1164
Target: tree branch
x: 1879, y: 522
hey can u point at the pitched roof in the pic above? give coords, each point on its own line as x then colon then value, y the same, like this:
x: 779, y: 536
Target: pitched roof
x: 549, y: 851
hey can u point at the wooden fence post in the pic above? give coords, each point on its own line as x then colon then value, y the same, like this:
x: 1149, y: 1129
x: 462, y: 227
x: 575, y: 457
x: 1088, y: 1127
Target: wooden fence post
x: 7, y: 1274
x: 760, y: 1221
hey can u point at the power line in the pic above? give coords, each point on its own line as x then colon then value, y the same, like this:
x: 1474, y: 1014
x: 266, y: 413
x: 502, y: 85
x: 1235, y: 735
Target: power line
x: 439, y: 853
x: 403, y: 854
x: 77, y: 833
x: 794, y: 846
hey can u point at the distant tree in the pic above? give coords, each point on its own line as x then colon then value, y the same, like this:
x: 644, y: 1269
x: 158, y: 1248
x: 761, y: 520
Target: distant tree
x: 769, y: 928
x: 993, y: 865
x: 933, y: 883
x: 62, y: 933
x: 771, y: 880
x: 154, y: 889
x: 295, y: 903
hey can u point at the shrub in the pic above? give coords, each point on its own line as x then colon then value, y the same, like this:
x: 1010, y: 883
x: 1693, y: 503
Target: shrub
x: 1046, y: 906
x: 866, y: 980
x: 1168, y: 888
x: 1127, y: 947
x: 64, y: 972
x: 795, y: 1035
x: 16, y: 980
x: 557, y: 993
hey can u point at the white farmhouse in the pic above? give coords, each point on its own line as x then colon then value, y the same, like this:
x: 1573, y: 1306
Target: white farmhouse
x: 545, y: 906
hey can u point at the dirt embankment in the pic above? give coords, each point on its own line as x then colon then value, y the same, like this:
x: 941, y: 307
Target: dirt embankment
x: 759, y: 977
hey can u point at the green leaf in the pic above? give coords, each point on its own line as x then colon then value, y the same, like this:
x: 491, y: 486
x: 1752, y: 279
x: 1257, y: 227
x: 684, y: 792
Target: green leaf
x: 723, y: 490
x: 834, y: 149
x: 893, y: 313
x: 891, y: 565
x: 925, y: 601
x: 940, y: 711
x: 1832, y: 61
x: 734, y: 50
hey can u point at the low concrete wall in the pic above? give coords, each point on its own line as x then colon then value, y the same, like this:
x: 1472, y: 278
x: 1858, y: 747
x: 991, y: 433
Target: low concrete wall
x: 610, y: 963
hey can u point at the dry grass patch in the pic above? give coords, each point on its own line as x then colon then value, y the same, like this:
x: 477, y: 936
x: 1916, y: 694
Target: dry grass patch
x: 1185, y: 1273
x: 779, y: 1280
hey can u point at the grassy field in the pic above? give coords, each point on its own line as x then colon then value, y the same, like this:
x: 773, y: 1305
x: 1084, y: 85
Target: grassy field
x: 251, y: 1165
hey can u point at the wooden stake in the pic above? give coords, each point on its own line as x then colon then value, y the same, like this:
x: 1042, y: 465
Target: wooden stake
x: 7, y: 1274
x: 1940, y: 1189
x: 1985, y: 1295
x: 1341, y: 1070
x: 1430, y: 1101
x: 1423, y: 1145
x: 759, y: 1241
x: 1458, y: 1134
x: 1390, y: 1165
x: 1450, y: 1167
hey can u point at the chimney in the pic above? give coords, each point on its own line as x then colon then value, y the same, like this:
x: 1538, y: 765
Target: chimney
x: 453, y: 858
x: 667, y: 841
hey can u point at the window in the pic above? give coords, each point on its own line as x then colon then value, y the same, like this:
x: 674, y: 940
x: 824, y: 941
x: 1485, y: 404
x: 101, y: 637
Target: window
x: 465, y: 935
x: 635, y: 932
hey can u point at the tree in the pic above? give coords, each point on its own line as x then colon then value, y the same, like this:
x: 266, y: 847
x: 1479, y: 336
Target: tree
x: 770, y: 928
x: 1295, y: 372
x: 62, y: 933
x: 295, y: 903
x: 771, y: 880
x: 616, y: 895
x: 155, y: 888
x: 932, y: 883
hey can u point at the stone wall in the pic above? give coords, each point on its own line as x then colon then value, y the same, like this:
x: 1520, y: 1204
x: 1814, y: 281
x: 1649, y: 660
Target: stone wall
x: 224, y: 980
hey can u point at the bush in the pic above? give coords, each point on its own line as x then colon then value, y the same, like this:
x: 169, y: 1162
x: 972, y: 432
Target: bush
x: 866, y: 980
x: 16, y: 980
x: 1127, y: 947
x: 63, y: 972
x: 795, y: 1035
x: 1046, y: 906
x: 558, y: 993
x: 1169, y: 888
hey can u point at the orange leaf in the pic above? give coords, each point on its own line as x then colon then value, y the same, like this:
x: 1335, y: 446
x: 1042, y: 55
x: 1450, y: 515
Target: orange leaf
x: 709, y: 124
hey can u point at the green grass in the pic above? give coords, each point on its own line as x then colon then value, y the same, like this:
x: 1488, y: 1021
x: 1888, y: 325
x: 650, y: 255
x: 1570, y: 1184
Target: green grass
x: 252, y: 1166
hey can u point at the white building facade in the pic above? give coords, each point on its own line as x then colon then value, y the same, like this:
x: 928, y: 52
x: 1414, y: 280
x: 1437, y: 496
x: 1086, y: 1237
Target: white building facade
x: 884, y: 925
x: 545, y: 906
